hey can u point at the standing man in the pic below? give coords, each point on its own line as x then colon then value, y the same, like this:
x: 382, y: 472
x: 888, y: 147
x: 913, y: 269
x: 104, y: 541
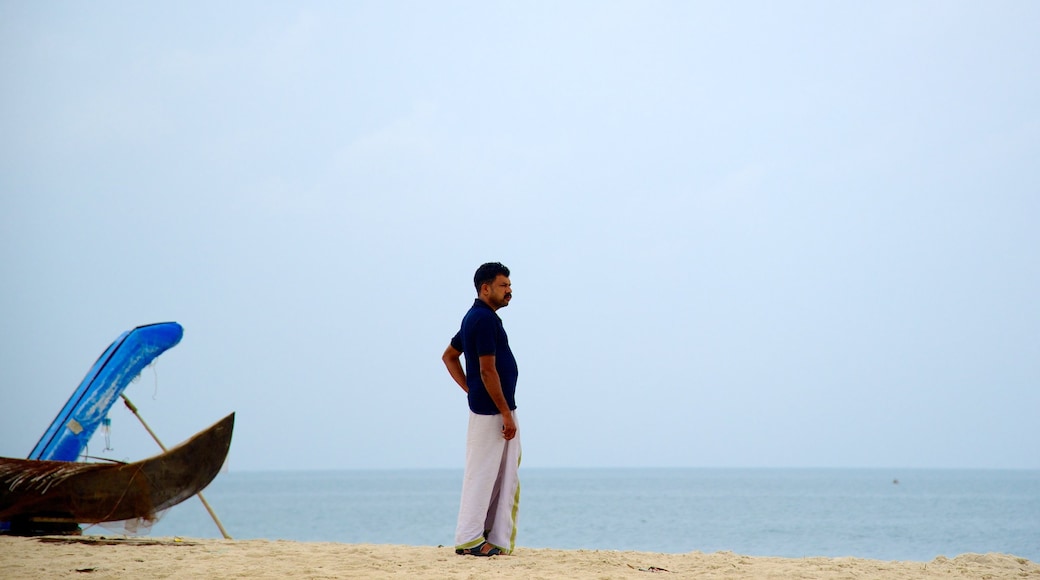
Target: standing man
x: 491, y: 484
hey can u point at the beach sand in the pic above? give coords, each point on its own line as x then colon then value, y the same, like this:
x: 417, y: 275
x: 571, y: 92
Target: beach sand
x: 107, y: 557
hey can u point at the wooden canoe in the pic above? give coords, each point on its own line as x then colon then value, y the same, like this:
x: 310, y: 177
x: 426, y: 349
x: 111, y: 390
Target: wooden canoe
x: 90, y: 493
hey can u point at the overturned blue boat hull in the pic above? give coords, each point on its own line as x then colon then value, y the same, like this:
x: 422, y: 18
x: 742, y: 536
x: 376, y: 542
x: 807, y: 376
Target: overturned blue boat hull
x: 89, y: 404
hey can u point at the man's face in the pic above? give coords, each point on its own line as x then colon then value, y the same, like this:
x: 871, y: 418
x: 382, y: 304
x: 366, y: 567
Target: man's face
x: 499, y: 292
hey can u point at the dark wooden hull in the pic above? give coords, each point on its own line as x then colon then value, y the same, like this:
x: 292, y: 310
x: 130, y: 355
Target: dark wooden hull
x: 89, y: 493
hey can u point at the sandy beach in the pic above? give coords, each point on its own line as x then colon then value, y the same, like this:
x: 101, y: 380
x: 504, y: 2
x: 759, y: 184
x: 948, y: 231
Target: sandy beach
x: 108, y: 557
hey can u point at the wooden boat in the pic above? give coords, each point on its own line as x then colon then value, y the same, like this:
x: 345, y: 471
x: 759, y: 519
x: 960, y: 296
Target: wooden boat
x: 89, y: 493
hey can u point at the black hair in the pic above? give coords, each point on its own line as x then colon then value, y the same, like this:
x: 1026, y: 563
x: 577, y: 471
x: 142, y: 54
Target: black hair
x: 487, y: 273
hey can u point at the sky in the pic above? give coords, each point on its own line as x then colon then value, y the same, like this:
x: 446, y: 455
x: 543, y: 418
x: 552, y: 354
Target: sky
x: 741, y: 234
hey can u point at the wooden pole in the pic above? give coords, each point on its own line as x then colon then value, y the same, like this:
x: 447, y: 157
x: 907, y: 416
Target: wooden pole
x: 212, y: 514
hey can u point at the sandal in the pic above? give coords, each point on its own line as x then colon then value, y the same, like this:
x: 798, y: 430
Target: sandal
x: 484, y: 550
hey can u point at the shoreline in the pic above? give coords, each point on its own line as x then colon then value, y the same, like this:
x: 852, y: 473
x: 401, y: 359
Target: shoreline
x: 174, y: 557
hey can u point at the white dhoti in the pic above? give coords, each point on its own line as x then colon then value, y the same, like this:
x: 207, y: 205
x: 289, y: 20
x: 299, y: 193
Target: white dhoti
x: 490, y: 486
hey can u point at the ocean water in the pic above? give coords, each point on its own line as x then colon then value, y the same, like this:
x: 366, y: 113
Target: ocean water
x: 762, y: 512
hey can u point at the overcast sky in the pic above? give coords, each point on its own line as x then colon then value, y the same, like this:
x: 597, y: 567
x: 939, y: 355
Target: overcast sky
x: 754, y: 234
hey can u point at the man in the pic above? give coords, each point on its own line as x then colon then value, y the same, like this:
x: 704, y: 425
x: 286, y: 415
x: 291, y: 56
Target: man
x: 491, y: 484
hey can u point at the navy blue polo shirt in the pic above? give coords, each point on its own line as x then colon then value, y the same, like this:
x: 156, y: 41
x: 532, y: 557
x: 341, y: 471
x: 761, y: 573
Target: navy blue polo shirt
x: 482, y: 334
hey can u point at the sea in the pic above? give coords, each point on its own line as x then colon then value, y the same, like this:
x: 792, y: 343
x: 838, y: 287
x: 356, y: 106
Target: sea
x: 887, y: 514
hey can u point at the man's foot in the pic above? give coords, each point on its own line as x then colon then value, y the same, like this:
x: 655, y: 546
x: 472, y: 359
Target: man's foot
x: 484, y: 549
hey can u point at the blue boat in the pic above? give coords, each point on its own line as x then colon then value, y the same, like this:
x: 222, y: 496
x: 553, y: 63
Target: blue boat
x: 89, y: 404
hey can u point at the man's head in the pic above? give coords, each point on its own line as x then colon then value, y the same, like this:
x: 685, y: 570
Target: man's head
x: 493, y: 286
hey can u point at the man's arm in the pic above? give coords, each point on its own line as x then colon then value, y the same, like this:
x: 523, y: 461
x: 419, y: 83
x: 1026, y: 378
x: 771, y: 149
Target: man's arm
x: 493, y: 384
x: 451, y: 360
